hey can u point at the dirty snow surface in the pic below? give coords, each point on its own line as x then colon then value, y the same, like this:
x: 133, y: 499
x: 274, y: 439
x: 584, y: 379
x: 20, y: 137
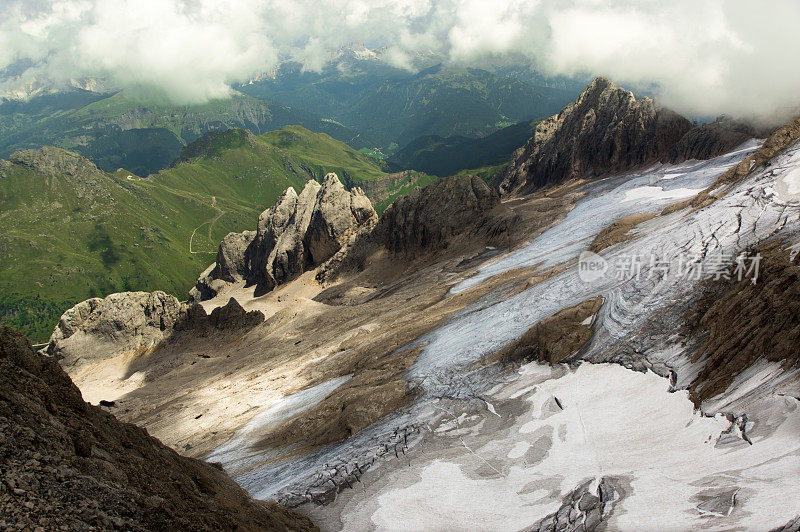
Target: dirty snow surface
x: 611, y: 439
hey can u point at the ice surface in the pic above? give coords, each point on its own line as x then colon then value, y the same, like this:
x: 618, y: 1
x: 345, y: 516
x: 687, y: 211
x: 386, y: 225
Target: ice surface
x: 615, y: 422
x: 658, y: 193
x: 793, y: 180
x: 607, y: 201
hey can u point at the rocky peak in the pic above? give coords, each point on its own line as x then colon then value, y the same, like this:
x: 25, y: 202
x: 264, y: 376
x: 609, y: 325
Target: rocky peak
x: 605, y: 130
x: 298, y: 233
x: 54, y: 162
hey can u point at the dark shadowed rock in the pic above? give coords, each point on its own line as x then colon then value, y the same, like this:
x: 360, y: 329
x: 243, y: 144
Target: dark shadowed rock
x: 427, y: 217
x: 65, y: 464
x: 707, y: 141
x: 605, y: 130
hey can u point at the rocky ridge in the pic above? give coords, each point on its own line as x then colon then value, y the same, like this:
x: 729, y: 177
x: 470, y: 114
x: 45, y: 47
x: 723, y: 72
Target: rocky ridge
x: 605, y: 130
x: 427, y: 217
x: 67, y: 465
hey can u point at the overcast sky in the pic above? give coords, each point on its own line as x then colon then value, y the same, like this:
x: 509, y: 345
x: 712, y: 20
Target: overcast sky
x: 705, y: 57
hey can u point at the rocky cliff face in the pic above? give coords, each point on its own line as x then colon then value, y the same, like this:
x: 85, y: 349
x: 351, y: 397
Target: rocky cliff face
x: 300, y: 232
x: 707, y: 141
x: 67, y: 465
x: 605, y: 130
x: 427, y: 217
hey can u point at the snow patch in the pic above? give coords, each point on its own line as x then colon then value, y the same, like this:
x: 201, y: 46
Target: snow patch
x: 658, y: 193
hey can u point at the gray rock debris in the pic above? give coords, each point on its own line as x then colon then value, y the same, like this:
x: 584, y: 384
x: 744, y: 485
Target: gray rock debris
x: 298, y: 233
x: 584, y: 508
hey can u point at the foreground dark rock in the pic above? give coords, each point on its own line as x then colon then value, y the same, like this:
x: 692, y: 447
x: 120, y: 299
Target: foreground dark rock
x: 605, y: 130
x: 71, y: 466
x: 300, y: 232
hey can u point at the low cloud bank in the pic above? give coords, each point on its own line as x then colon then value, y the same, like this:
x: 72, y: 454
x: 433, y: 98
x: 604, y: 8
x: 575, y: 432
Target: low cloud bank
x: 701, y: 58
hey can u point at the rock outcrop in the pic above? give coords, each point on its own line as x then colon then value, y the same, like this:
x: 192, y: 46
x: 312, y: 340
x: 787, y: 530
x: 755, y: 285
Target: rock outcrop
x: 427, y: 220
x: 427, y: 217
x: 54, y: 162
x: 299, y: 233
x: 707, y: 141
x: 67, y: 465
x: 605, y: 130
x: 100, y: 328
x: 230, y: 316
x: 586, y: 508
x: 135, y: 322
x: 746, y: 322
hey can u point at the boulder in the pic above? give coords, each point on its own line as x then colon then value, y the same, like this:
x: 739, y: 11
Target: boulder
x: 606, y: 130
x: 102, y: 328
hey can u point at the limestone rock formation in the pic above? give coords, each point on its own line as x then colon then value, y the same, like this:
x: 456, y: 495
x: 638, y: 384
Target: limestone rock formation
x: 227, y: 317
x: 707, y: 141
x: 67, y: 465
x: 231, y: 265
x: 605, y: 130
x: 298, y: 233
x: 428, y: 216
x: 99, y: 328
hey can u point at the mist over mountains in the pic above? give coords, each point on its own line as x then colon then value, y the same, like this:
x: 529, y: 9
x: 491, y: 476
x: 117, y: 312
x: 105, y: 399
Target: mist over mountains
x: 703, y: 60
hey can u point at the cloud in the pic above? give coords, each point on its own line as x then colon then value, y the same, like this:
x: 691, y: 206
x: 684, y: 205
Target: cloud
x: 702, y: 58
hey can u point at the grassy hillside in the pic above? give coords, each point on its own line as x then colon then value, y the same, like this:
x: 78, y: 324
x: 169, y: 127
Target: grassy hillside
x: 72, y: 231
x: 115, y: 131
x: 393, y: 106
x: 447, y: 156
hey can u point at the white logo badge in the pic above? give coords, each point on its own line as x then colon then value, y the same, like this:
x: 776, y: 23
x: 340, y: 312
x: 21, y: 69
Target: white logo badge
x: 591, y: 266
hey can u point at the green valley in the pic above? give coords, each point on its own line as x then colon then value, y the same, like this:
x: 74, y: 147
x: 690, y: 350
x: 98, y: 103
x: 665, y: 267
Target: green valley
x: 118, y: 131
x: 72, y: 231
